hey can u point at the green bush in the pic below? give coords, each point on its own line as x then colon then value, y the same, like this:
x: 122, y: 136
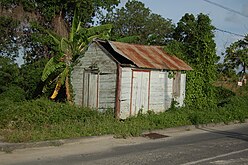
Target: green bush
x: 13, y: 93
x: 223, y: 95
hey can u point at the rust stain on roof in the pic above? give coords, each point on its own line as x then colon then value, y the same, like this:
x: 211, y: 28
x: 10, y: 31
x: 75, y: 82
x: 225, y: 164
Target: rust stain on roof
x: 153, y: 57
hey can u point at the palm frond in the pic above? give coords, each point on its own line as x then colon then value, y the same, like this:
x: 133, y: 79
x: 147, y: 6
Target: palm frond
x: 55, y: 37
x: 58, y: 57
x: 96, y: 30
x: 64, y: 45
x: 75, y: 25
x: 51, y: 66
x: 63, y: 75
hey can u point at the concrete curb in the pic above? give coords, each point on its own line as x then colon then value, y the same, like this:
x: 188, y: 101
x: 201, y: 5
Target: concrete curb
x: 9, y: 147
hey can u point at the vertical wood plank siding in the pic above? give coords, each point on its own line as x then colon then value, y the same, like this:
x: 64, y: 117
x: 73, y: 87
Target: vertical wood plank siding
x: 168, y: 91
x: 157, y: 91
x: 95, y: 56
x: 160, y: 89
x: 125, y: 95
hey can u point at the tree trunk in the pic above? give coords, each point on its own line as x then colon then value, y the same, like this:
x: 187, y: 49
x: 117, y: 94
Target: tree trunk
x: 18, y: 13
x: 56, y: 90
x: 59, y: 25
x: 68, y: 91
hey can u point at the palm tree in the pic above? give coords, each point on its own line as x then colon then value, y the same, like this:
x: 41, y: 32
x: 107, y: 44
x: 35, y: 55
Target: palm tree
x: 237, y: 54
x: 69, y: 49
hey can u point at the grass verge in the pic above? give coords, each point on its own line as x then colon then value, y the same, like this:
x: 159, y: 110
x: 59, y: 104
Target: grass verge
x: 42, y: 119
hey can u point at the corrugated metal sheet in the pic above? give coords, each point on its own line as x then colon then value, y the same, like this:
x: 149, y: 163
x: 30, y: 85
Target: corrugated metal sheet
x: 153, y: 57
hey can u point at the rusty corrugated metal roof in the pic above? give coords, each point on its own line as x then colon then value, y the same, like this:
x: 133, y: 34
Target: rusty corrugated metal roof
x: 153, y: 57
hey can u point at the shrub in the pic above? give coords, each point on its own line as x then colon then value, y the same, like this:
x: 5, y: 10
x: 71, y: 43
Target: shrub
x: 13, y: 93
x: 223, y: 95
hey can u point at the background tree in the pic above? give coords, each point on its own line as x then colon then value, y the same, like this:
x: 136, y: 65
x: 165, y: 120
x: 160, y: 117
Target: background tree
x: 9, y: 72
x: 53, y: 14
x: 8, y: 37
x: 236, y: 55
x: 138, y: 24
x: 195, y: 44
x: 30, y: 74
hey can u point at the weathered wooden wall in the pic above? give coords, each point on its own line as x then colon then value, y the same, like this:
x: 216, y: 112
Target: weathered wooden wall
x: 95, y: 56
x: 168, y: 91
x: 160, y: 92
x: 157, y: 91
x: 180, y: 99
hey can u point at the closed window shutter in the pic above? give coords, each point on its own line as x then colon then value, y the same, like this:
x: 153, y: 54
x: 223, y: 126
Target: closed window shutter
x: 176, y: 84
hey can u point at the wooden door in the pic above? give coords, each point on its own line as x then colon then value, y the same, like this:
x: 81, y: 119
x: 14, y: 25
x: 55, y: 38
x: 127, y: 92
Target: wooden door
x: 140, y: 92
x: 90, y: 89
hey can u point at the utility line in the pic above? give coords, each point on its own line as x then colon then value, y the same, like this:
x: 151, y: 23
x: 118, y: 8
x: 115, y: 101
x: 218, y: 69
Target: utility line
x: 240, y: 35
x: 226, y: 8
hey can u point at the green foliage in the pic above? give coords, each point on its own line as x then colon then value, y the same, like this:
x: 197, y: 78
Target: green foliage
x: 137, y: 22
x: 176, y: 48
x: 45, y: 120
x: 8, y: 37
x: 223, y: 95
x: 129, y: 39
x: 51, y: 8
x: 9, y: 72
x: 236, y: 55
x: 13, y: 93
x: 51, y: 66
x: 225, y: 72
x: 56, y: 15
x: 30, y: 74
x: 171, y: 74
x: 195, y: 44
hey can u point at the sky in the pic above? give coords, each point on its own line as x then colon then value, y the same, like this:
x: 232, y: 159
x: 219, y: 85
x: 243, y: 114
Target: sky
x: 221, y: 18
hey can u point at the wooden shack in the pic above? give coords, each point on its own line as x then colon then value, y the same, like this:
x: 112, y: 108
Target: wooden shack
x: 128, y: 78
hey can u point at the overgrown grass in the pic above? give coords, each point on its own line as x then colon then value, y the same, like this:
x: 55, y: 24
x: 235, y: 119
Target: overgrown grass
x: 46, y: 120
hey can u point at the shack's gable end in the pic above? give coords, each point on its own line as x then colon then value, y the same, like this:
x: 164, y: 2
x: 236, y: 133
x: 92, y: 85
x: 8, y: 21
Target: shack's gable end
x: 95, y: 57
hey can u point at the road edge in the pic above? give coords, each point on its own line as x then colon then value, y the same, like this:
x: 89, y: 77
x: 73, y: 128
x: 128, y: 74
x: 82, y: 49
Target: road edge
x: 9, y: 147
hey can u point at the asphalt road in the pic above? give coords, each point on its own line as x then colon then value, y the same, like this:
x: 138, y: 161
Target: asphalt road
x: 212, y: 145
